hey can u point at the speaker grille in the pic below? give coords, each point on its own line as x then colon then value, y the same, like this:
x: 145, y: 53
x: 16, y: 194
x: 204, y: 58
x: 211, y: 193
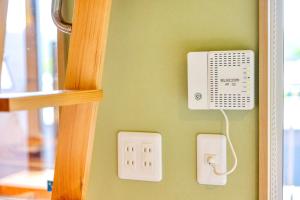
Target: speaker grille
x: 231, y: 79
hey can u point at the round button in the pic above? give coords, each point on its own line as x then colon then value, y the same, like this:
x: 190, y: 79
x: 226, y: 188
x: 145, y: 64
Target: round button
x: 198, y: 96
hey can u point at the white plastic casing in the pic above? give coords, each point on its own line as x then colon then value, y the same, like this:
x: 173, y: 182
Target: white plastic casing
x: 221, y: 80
x: 140, y: 156
x: 210, y: 145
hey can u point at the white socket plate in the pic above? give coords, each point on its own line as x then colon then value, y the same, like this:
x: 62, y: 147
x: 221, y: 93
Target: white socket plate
x: 140, y: 156
x: 211, y: 145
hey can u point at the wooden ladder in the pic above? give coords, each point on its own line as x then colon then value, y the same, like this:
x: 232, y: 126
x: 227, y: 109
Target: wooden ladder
x: 78, y: 101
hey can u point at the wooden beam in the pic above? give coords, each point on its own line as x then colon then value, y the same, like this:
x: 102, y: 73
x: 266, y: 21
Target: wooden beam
x: 33, y: 100
x: 31, y: 47
x: 77, y: 123
x: 3, y: 16
x: 34, y: 130
x: 61, y: 59
x: 23, y: 193
x: 263, y: 99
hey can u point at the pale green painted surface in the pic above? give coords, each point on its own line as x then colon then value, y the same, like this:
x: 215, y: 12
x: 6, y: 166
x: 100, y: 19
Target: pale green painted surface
x: 146, y: 90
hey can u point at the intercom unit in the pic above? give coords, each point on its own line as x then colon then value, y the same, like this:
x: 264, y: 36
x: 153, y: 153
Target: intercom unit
x: 221, y: 80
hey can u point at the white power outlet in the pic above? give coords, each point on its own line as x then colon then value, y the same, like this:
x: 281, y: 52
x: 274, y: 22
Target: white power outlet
x: 130, y: 155
x: 139, y: 156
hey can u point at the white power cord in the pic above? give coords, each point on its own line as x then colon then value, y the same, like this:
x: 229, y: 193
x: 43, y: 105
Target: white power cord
x: 211, y: 160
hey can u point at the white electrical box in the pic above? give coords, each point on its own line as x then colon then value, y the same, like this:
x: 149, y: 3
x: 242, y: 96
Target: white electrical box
x: 221, y: 80
x: 214, y: 146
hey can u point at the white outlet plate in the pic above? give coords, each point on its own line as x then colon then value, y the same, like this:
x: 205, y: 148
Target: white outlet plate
x: 140, y: 156
x: 211, y: 145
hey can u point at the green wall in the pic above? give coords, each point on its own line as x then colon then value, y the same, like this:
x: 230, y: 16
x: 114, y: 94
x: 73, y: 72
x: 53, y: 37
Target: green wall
x: 145, y: 83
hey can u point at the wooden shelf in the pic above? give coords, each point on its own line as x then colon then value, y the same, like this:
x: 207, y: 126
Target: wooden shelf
x: 33, y: 100
x: 26, y: 185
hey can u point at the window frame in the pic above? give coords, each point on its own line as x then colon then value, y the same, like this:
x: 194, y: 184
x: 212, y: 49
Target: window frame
x: 271, y: 102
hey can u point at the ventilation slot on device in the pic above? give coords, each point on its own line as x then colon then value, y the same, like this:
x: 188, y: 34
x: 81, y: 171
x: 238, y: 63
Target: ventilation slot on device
x: 229, y: 80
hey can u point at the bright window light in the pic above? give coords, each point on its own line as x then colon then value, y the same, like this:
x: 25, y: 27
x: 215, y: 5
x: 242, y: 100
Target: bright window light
x: 6, y: 81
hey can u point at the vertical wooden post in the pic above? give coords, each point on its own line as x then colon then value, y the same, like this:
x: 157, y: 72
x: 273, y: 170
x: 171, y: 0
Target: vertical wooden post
x: 263, y: 100
x: 31, y: 48
x: 61, y: 59
x: 32, y: 69
x: 77, y: 123
x: 3, y: 16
